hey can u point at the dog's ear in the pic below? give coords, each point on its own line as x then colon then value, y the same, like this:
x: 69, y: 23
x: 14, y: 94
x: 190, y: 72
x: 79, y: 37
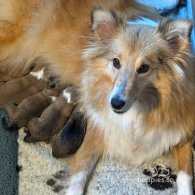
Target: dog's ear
x: 106, y: 23
x: 176, y: 33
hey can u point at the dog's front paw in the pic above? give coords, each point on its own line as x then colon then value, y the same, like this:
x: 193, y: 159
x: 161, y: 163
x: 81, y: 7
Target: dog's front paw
x: 184, y: 184
x: 77, y: 184
x: 74, y: 191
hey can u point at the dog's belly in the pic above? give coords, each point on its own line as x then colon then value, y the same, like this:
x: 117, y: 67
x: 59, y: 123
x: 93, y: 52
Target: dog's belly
x: 126, y: 139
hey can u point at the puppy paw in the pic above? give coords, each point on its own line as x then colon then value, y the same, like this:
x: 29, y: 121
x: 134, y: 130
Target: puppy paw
x: 28, y: 138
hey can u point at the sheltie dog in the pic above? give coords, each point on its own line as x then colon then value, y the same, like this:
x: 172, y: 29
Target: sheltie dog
x: 137, y: 82
x: 138, y: 92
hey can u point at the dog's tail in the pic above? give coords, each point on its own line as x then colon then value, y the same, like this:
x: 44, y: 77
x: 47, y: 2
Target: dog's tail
x: 133, y: 10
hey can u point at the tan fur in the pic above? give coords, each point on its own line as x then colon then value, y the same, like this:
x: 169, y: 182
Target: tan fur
x: 89, y: 152
x: 183, y: 157
x: 159, y: 110
x: 54, y: 32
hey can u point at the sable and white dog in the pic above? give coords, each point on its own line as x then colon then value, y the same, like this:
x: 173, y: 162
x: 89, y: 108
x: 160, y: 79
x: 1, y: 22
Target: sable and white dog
x: 138, y: 92
x: 136, y: 81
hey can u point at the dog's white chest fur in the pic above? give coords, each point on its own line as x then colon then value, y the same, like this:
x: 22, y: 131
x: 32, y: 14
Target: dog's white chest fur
x: 127, y: 140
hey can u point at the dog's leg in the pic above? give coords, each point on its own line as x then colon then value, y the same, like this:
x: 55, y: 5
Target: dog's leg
x: 183, y: 158
x: 84, y: 161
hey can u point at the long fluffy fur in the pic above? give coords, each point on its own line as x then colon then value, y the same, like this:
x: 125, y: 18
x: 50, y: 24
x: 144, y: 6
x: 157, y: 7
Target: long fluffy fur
x: 52, y: 32
x: 162, y: 115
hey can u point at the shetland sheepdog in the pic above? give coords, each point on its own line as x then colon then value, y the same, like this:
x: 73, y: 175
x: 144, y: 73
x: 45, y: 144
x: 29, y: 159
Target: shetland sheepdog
x: 138, y: 92
x: 136, y: 82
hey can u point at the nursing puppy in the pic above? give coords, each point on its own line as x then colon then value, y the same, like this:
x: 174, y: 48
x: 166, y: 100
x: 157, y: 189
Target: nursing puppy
x: 4, y: 77
x: 30, y: 107
x: 138, y: 92
x: 69, y: 139
x: 17, y: 89
x: 53, y: 117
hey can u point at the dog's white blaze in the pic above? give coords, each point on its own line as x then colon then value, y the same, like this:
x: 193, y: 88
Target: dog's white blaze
x: 39, y: 74
x: 112, y: 70
x: 184, y: 184
x: 67, y: 95
x: 53, y: 98
x: 179, y: 71
x: 127, y: 140
x: 77, y: 184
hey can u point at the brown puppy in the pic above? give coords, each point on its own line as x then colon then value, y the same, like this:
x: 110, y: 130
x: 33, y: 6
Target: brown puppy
x: 30, y: 107
x: 15, y: 90
x: 69, y: 139
x: 5, y: 77
x: 53, y: 117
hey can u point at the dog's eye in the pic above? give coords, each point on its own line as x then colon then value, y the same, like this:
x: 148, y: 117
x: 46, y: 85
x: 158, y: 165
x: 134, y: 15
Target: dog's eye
x: 116, y: 63
x: 143, y: 69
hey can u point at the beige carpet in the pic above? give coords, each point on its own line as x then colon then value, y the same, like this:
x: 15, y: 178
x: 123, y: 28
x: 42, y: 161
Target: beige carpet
x: 41, y: 174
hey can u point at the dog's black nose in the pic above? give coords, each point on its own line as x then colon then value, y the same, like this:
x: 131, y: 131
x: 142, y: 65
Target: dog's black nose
x: 117, y: 103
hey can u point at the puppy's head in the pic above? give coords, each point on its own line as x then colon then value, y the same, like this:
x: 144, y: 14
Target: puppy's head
x: 130, y: 64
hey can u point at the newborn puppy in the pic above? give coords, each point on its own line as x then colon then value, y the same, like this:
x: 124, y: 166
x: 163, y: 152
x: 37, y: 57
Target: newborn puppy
x: 30, y: 107
x: 6, y: 76
x: 53, y: 117
x: 69, y: 139
x: 15, y: 90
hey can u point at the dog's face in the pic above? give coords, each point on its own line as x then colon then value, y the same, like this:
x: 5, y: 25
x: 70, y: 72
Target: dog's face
x: 133, y: 63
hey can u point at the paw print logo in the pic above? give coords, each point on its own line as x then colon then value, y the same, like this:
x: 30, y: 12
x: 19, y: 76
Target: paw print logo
x: 161, y: 177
